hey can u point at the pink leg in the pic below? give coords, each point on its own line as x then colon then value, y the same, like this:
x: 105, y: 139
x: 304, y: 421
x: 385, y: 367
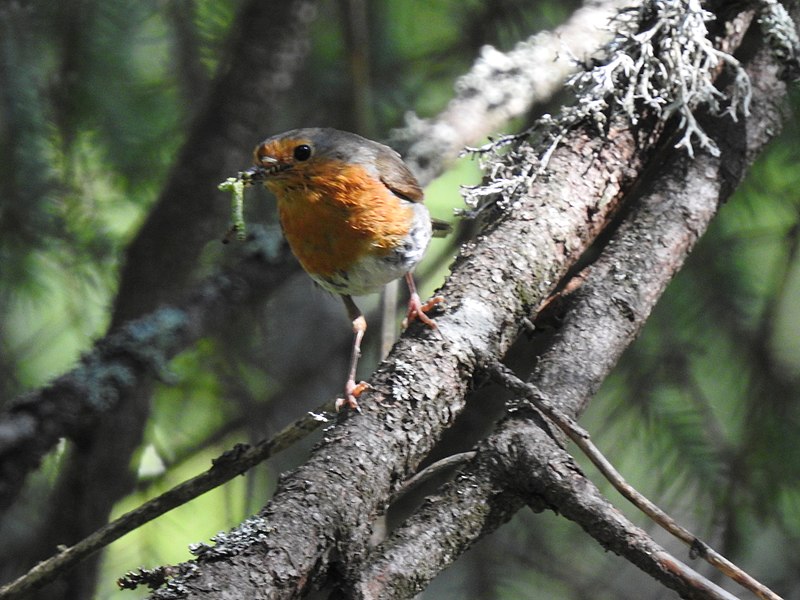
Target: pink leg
x: 353, y: 390
x: 416, y: 309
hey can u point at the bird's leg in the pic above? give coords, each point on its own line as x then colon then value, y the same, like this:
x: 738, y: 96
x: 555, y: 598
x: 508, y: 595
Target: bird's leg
x: 416, y: 309
x: 353, y: 390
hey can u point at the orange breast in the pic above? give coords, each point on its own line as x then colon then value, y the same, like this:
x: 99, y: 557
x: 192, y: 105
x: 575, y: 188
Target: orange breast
x: 334, y: 214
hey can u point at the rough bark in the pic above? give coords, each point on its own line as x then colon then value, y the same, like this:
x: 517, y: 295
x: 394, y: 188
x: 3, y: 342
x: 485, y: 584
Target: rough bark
x: 519, y: 462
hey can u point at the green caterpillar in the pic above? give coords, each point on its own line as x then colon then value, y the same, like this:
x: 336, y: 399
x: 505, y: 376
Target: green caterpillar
x: 235, y: 185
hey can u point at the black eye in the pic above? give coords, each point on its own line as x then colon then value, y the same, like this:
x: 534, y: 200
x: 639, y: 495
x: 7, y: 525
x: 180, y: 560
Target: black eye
x: 302, y: 152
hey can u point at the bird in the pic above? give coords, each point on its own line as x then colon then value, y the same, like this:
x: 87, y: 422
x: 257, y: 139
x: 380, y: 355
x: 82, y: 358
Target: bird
x: 353, y: 215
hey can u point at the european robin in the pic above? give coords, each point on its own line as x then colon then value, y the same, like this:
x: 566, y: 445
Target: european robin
x: 353, y: 215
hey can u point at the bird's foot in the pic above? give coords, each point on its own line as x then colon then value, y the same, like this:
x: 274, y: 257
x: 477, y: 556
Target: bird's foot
x: 352, y: 390
x: 418, y: 310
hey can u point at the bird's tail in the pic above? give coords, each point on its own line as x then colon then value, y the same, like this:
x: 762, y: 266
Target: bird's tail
x: 441, y: 228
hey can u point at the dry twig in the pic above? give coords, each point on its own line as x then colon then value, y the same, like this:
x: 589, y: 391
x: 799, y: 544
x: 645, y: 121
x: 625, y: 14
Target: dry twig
x: 234, y: 462
x: 580, y: 436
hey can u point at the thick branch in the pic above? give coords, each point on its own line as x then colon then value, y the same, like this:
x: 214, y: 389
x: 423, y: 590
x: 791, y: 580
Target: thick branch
x: 502, y: 86
x: 604, y: 316
x: 420, y: 389
x: 582, y: 439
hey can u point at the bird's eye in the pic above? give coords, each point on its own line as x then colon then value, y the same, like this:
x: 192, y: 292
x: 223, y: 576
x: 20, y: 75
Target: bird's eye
x: 302, y: 152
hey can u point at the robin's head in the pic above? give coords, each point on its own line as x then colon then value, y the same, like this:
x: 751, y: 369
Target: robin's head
x: 301, y: 153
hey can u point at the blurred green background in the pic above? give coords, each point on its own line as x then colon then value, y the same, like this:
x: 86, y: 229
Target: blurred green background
x: 96, y: 99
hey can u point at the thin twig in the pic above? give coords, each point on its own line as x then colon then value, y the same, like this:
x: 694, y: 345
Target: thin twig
x: 232, y: 463
x: 580, y: 436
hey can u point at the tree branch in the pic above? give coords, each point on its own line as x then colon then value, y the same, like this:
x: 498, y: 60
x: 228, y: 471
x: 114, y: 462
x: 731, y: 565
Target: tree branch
x: 502, y: 86
x: 519, y: 464
x: 125, y: 360
x: 419, y: 390
x: 231, y: 464
x: 604, y: 316
x: 698, y: 548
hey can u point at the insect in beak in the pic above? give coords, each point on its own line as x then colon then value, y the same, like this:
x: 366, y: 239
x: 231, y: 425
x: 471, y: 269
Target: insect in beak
x: 254, y: 174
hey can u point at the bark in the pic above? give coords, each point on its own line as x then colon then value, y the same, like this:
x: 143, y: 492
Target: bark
x: 518, y: 463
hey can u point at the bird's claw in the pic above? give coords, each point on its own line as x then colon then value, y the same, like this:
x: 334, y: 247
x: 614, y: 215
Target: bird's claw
x: 418, y: 310
x: 352, y: 390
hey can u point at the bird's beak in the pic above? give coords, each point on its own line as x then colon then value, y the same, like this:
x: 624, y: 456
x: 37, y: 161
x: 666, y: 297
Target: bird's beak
x: 269, y: 166
x: 253, y: 175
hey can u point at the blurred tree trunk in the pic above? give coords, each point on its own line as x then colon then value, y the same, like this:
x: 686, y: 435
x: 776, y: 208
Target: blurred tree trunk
x: 161, y: 259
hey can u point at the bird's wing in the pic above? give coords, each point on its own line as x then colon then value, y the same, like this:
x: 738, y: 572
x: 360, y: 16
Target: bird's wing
x: 396, y: 176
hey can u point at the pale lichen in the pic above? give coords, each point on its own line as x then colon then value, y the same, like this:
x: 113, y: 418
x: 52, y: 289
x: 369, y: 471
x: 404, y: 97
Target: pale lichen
x: 780, y: 34
x: 661, y: 62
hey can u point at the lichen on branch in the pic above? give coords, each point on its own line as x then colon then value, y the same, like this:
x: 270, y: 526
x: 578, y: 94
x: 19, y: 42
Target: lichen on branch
x: 661, y: 63
x: 781, y: 35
